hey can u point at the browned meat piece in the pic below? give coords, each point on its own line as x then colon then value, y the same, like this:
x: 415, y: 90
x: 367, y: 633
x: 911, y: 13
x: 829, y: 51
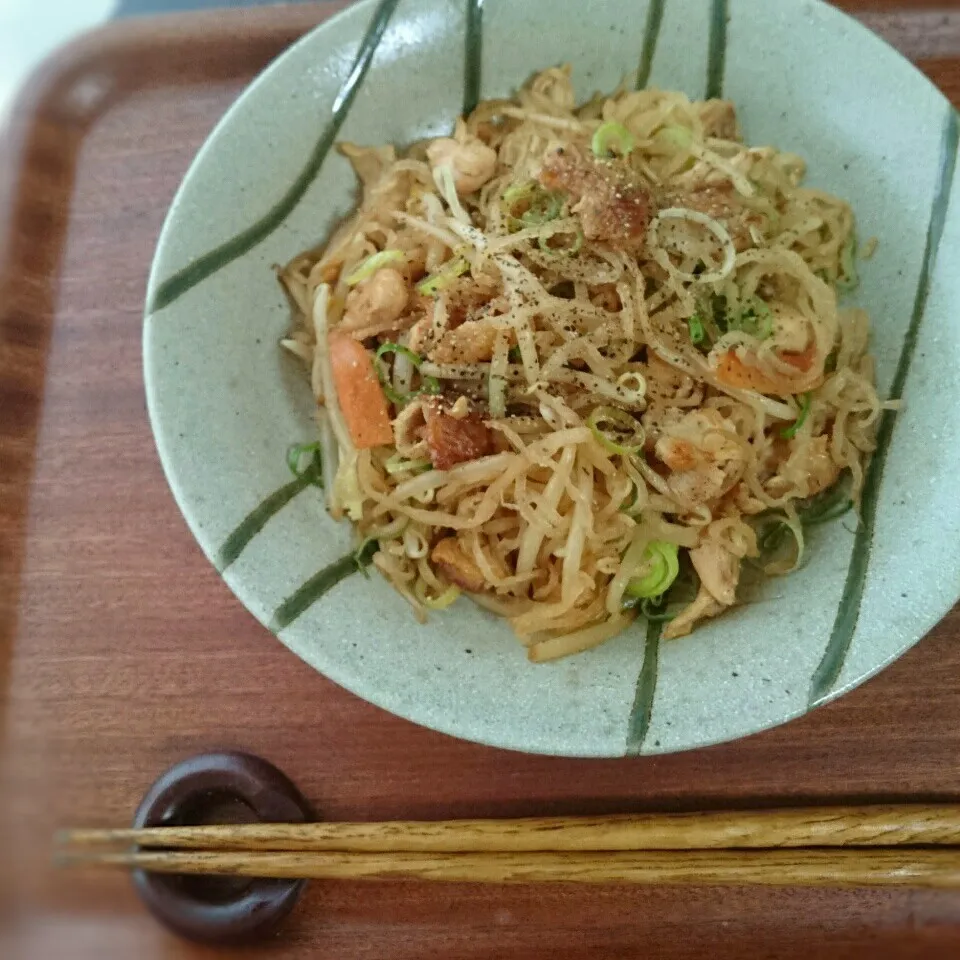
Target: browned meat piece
x: 612, y: 206
x: 452, y: 440
x: 471, y: 342
x: 456, y: 566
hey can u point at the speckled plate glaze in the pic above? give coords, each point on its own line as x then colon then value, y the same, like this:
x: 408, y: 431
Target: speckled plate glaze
x: 225, y: 403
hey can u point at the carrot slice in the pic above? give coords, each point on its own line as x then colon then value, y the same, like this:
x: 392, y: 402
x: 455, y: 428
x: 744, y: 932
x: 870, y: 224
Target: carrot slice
x: 803, y: 360
x: 361, y: 397
x: 733, y: 372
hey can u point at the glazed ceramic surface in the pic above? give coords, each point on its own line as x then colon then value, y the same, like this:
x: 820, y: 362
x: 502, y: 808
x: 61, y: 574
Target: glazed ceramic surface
x: 226, y: 403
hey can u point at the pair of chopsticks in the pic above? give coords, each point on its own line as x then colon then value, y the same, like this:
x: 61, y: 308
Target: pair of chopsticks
x: 908, y: 845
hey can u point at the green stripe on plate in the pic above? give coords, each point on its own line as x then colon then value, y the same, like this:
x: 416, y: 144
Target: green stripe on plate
x: 326, y: 579
x: 717, y: 50
x: 642, y: 711
x: 473, y: 56
x: 205, y: 266
x: 651, y: 34
x: 257, y: 519
x: 845, y: 624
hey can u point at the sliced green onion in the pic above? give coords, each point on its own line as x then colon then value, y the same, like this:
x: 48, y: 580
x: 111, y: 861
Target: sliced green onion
x: 373, y: 263
x: 570, y: 251
x: 788, y: 433
x: 615, y: 430
x: 363, y: 555
x: 444, y: 276
x: 398, y: 464
x: 441, y: 602
x: 660, y: 566
x: 629, y: 503
x: 849, y: 279
x: 697, y: 333
x: 313, y: 468
x: 428, y: 384
x: 771, y: 537
x: 829, y: 504
x: 612, y: 139
x: 539, y: 205
x: 755, y: 318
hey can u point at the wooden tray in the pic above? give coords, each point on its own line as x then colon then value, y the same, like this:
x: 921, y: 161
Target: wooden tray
x: 122, y: 651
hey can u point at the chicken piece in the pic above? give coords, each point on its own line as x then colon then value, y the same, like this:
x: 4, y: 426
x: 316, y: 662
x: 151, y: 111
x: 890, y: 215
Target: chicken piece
x: 702, y: 607
x: 612, y: 206
x: 704, y: 458
x: 471, y: 342
x: 376, y: 305
x: 472, y: 162
x: 449, y: 558
x: 422, y: 335
x: 452, y: 440
x: 791, y: 332
x: 369, y: 163
x: 665, y: 382
x: 810, y: 468
x: 719, y: 118
x: 718, y: 569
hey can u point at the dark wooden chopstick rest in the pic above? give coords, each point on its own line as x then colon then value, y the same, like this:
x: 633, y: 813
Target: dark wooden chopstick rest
x: 206, y: 789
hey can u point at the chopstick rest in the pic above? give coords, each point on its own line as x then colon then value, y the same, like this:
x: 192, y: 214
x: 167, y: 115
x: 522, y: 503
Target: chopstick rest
x: 212, y: 788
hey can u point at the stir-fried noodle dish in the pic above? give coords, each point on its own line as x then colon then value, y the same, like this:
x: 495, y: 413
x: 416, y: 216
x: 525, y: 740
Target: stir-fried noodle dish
x: 586, y: 363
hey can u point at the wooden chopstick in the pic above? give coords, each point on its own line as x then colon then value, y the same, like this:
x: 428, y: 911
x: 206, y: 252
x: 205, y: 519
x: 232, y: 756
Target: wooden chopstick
x: 820, y: 868
x: 878, y: 826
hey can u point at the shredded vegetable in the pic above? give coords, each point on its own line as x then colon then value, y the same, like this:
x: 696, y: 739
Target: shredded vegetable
x: 444, y: 276
x: 604, y: 346
x: 373, y: 263
x: 616, y: 431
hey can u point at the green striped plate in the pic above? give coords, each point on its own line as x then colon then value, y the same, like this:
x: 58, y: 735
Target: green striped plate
x: 225, y: 404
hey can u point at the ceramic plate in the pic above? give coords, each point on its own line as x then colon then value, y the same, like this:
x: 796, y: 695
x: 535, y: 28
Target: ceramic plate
x: 226, y: 403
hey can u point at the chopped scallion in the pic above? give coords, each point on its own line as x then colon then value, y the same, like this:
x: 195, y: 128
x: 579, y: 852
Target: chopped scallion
x: 754, y: 317
x: 444, y: 276
x: 428, y: 385
x: 615, y: 430
x: 612, y: 139
x: 658, y: 569
x: 306, y: 460
x: 398, y: 464
x: 788, y: 433
x: 697, y: 332
x: 444, y: 600
x: 372, y: 264
x: 529, y: 204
